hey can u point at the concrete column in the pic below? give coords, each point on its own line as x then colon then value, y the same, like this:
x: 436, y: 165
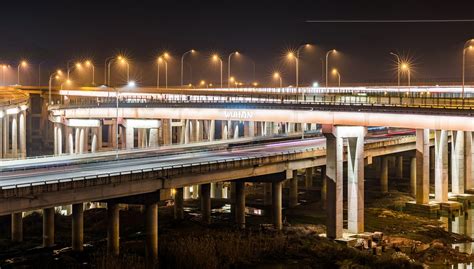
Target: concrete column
x: 251, y: 129
x: 151, y: 226
x: 69, y: 141
x: 277, y: 204
x: 17, y: 227
x: 178, y: 204
x: 94, y: 140
x: 55, y: 139
x: 422, y: 166
x: 199, y: 130
x: 399, y: 167
x: 82, y: 140
x: 212, y: 130
x: 114, y: 133
x: 441, y: 166
x: 293, y: 198
x: 2, y: 138
x: 48, y: 227
x: 355, y: 186
x: 205, y: 195
x: 218, y: 190
x: 14, y: 136
x: 76, y: 139
x: 236, y: 131
x: 240, y: 204
x: 99, y: 137
x: 413, y: 177
x: 468, y: 160
x: 309, y: 177
x: 22, y: 134
x: 187, y: 130
x: 130, y: 138
x: 153, y: 143
x: 384, y: 175
x: 86, y: 139
x: 113, y: 235
x: 6, y: 134
x: 167, y: 132
x: 195, y: 191
x: 60, y: 140
x: 324, y: 187
x: 334, y: 174
x: 187, y: 193
x: 457, y: 162
x: 78, y: 227
x: 267, y: 194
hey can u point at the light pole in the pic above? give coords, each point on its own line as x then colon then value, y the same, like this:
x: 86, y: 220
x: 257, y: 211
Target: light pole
x: 69, y: 69
x: 124, y: 61
x: 90, y: 64
x: 398, y: 67
x: 336, y: 72
x: 182, y: 64
x: 406, y: 67
x: 21, y: 64
x: 298, y: 63
x: 228, y: 67
x: 277, y: 75
x: 55, y: 74
x: 217, y: 58
x: 327, y: 64
x: 105, y: 68
x: 291, y: 55
x: 465, y: 48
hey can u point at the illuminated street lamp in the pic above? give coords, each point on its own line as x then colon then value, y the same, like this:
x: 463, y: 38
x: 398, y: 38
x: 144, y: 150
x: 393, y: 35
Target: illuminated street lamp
x: 216, y: 58
x: 124, y: 61
x: 56, y: 75
x: 335, y: 72
x: 327, y: 63
x: 90, y: 64
x: 277, y: 75
x: 161, y: 59
x: 465, y: 48
x: 228, y: 67
x: 406, y: 67
x: 182, y: 63
x: 23, y: 64
x: 298, y: 63
x: 398, y: 67
x: 105, y: 68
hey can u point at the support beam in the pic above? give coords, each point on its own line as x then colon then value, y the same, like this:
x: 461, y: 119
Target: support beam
x: 205, y: 195
x: 178, y: 204
x: 293, y: 197
x: 48, y: 227
x: 334, y: 161
x: 240, y: 204
x: 422, y: 166
x: 355, y: 186
x: 413, y: 176
x: 22, y: 127
x: 78, y: 227
x: 309, y: 177
x: 277, y: 204
x: 468, y: 160
x: 457, y: 162
x: 441, y: 166
x: 324, y: 187
x: 17, y: 227
x: 151, y: 233
x: 384, y: 175
x: 14, y: 134
x: 113, y: 236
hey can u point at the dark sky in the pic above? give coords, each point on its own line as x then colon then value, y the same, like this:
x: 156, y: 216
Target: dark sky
x: 261, y: 30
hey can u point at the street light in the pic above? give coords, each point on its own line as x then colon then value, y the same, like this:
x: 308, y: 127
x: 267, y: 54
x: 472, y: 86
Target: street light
x: 335, y: 72
x: 21, y: 64
x: 215, y: 58
x: 182, y: 63
x: 398, y: 67
x: 124, y: 61
x: 327, y: 63
x: 465, y: 48
x: 290, y: 56
x: 228, y: 67
x: 161, y: 59
x: 298, y: 63
x: 56, y: 75
x: 90, y: 64
x: 105, y: 68
x: 277, y: 75
x: 406, y: 67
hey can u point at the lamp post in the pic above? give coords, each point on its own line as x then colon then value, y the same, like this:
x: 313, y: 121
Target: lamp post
x: 182, y: 64
x: 336, y: 72
x: 217, y: 58
x: 55, y: 74
x: 21, y: 64
x: 465, y: 48
x: 291, y: 55
x: 124, y: 61
x: 298, y: 63
x: 69, y: 68
x: 105, y: 68
x: 277, y: 75
x: 228, y: 67
x: 406, y: 67
x: 90, y: 64
x: 327, y: 63
x: 398, y: 67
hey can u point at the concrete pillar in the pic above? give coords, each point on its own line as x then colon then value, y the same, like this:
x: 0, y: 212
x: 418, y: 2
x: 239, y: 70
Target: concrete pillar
x: 153, y: 143
x: 82, y: 140
x: 468, y: 160
x: 267, y: 194
x: 2, y: 138
x: 205, y: 195
x: 324, y: 187
x: 14, y: 132
x: 99, y: 137
x: 151, y: 233
x: 355, y: 186
x: 94, y: 140
x: 113, y: 236
x: 240, y: 204
x: 178, y: 204
x: 187, y: 130
x: 60, y: 140
x: 399, y: 167
x: 76, y: 139
x: 236, y: 131
x: 48, y: 227
x: 251, y: 129
x: 277, y: 204
x: 69, y: 141
x: 199, y: 130
x: 17, y: 227
x: 422, y: 166
x: 441, y: 166
x: 22, y: 128
x: 212, y: 130
x: 309, y: 177
x: 457, y: 162
x: 167, y: 131
x: 187, y: 193
x: 6, y: 134
x: 130, y: 138
x: 195, y: 191
x: 334, y: 162
x: 78, y: 227
x: 413, y: 176
x: 293, y: 197
x: 384, y: 175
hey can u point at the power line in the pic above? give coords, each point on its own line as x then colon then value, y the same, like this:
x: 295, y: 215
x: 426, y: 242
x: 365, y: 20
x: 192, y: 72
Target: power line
x: 390, y: 21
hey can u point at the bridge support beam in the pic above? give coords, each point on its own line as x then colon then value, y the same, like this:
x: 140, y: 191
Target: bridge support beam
x: 17, y: 227
x: 113, y: 229
x: 277, y: 187
x: 422, y: 166
x: 178, y: 204
x: 14, y: 133
x: 457, y: 162
x: 413, y: 176
x: 468, y: 160
x: 166, y: 132
x: 22, y: 127
x: 240, y: 204
x: 205, y: 195
x: 309, y: 177
x: 323, y: 187
x: 293, y: 197
x: 129, y: 138
x: 78, y: 227
x: 441, y: 166
x: 384, y: 175
x: 151, y: 226
x: 48, y: 227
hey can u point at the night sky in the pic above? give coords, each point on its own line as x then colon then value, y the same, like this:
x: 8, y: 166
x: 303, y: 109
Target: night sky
x: 261, y: 30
